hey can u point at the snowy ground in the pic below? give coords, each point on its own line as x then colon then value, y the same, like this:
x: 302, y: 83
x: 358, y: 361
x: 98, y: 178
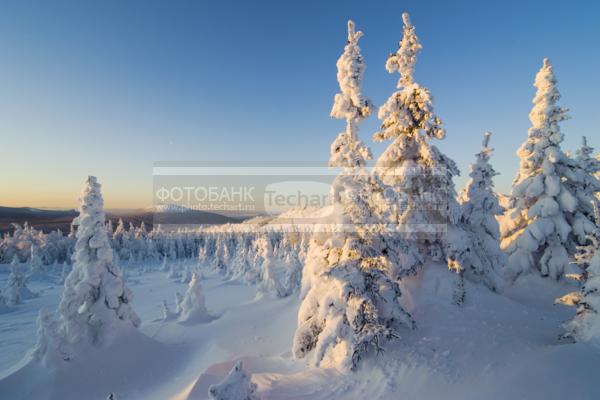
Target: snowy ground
x: 495, y: 347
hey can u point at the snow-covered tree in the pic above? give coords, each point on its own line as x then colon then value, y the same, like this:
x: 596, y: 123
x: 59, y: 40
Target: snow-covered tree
x: 186, y: 275
x: 585, y: 326
x: 536, y: 233
x: 173, y: 273
x: 193, y: 308
x: 95, y: 303
x: 416, y: 194
x: 16, y: 290
x: 165, y: 266
x: 49, y: 347
x: 236, y: 386
x: 167, y: 313
x: 484, y: 262
x: 585, y: 185
x: 35, y: 264
x: 178, y: 302
x: 349, y: 303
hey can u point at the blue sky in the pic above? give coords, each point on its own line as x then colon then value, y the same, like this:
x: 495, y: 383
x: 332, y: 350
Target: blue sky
x: 107, y: 88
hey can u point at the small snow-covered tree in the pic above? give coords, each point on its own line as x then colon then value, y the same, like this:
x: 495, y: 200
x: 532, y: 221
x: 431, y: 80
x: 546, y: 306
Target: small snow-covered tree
x: 186, y: 275
x: 536, y: 233
x: 585, y: 185
x: 95, y: 303
x: 193, y: 308
x: 479, y: 208
x: 178, y: 302
x: 416, y: 194
x: 167, y: 314
x: 49, y: 346
x: 236, y: 386
x: 173, y: 273
x: 165, y: 266
x: 349, y: 303
x: 35, y: 264
x: 585, y: 326
x: 16, y: 290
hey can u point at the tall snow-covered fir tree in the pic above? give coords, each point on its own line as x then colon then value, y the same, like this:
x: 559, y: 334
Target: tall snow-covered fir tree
x: 349, y: 303
x: 479, y: 208
x: 417, y: 194
x: 95, y: 304
x: 536, y: 233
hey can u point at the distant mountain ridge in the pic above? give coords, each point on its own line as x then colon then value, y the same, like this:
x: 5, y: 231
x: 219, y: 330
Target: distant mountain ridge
x: 49, y: 220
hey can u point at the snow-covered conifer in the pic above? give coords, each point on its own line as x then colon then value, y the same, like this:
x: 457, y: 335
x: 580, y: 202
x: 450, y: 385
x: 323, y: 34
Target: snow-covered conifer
x: 167, y: 314
x: 178, y: 302
x: 49, y: 346
x: 173, y: 273
x: 164, y: 267
x: 536, y: 233
x: 416, y: 194
x: 193, y: 308
x: 95, y: 303
x: 236, y: 386
x: 484, y: 262
x: 35, y: 265
x: 585, y: 186
x: 186, y: 275
x: 16, y: 289
x: 349, y: 303
x: 585, y: 326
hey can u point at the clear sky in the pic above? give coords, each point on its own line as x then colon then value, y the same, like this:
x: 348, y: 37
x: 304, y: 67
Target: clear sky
x: 107, y: 88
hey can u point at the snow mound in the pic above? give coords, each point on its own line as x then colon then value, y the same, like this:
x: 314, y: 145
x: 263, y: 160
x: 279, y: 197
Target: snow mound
x: 236, y: 386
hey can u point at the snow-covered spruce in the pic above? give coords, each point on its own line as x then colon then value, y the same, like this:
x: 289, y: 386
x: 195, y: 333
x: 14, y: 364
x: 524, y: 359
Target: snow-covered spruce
x: 173, y: 273
x: 416, y: 194
x: 349, y: 303
x: 236, y: 386
x: 484, y: 262
x: 95, y: 305
x: 536, y: 233
x: 351, y: 306
x: 186, y: 275
x: 585, y: 185
x: 278, y: 276
x: 167, y: 313
x: 16, y: 289
x: 35, y: 265
x: 50, y: 347
x: 193, y: 308
x: 585, y: 326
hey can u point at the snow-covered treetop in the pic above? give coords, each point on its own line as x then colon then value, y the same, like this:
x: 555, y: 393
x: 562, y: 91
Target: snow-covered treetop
x: 350, y: 103
x: 585, y: 158
x: 546, y: 114
x: 408, y: 112
x: 347, y: 151
x: 406, y: 57
x: 542, y: 147
x: 92, y: 235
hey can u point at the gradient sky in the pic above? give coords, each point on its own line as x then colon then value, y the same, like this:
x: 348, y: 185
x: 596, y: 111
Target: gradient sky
x: 107, y: 88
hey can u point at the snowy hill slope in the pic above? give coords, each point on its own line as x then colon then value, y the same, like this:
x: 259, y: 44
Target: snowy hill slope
x: 494, y: 347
